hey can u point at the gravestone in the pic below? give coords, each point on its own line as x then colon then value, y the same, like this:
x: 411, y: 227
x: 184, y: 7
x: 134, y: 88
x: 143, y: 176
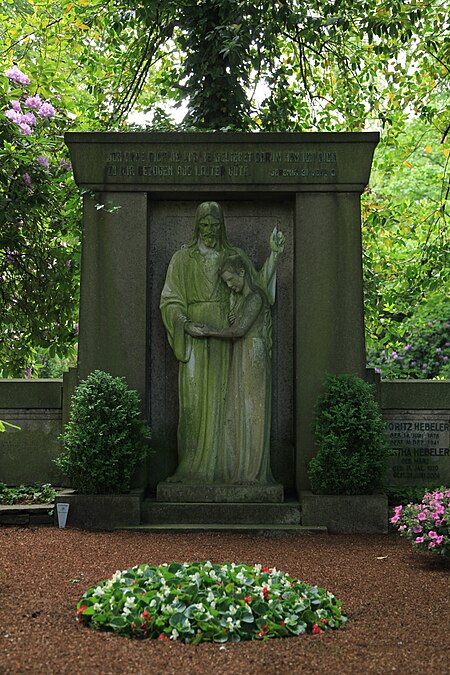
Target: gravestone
x: 420, y: 447
x: 141, y: 194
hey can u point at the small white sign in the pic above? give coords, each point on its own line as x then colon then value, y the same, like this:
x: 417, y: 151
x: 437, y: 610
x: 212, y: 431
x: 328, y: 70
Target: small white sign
x: 62, y: 510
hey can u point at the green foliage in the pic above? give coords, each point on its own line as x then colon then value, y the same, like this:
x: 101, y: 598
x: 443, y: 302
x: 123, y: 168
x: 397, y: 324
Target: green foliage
x: 406, y: 248
x: 105, y: 438
x: 406, y: 495
x: 39, y: 227
x: 340, y: 65
x: 201, y: 602
x: 424, y: 351
x: 349, y: 429
x: 39, y: 493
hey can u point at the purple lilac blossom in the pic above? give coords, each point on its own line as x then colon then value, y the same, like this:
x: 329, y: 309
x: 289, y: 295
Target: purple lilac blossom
x: 43, y: 161
x: 29, y: 118
x: 33, y: 102
x: 17, y: 76
x: 26, y: 179
x: 25, y: 129
x: 15, y: 105
x: 14, y: 116
x: 46, y: 110
x: 65, y: 165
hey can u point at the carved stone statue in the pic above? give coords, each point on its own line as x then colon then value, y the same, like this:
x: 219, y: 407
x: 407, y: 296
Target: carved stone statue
x: 217, y: 326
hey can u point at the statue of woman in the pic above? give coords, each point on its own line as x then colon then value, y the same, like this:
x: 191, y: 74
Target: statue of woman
x: 246, y: 431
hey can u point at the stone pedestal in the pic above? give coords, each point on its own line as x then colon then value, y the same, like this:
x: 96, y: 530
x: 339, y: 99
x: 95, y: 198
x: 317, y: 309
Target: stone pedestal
x: 181, y: 492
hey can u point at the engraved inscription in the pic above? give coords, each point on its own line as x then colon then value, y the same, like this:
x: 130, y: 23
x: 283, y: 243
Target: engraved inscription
x: 420, y: 447
x: 222, y: 165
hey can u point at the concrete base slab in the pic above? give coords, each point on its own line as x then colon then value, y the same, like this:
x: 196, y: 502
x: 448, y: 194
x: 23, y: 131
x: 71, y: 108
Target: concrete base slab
x: 346, y: 514
x: 229, y: 513
x: 254, y: 529
x: 182, y: 492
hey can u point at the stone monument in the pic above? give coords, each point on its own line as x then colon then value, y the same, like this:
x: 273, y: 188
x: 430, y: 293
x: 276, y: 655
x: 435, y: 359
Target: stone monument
x: 141, y: 194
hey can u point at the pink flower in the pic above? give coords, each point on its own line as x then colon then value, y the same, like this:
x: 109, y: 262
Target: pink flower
x: 65, y: 165
x: 25, y: 129
x: 439, y: 540
x: 26, y: 179
x: 33, y: 102
x: 43, y: 161
x: 395, y: 519
x: 422, y: 515
x: 46, y: 110
x: 432, y: 534
x: 14, y: 116
x: 16, y: 75
x: 28, y: 118
x: 418, y: 540
x: 417, y: 529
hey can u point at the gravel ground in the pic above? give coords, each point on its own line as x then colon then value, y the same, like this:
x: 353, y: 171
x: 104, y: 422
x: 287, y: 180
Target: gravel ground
x: 397, y: 601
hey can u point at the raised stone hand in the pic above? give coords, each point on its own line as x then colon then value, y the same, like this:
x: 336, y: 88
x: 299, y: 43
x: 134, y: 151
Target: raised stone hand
x: 277, y: 241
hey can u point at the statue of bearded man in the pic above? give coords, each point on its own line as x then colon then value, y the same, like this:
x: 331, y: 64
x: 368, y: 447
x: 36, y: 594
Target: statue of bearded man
x: 194, y: 293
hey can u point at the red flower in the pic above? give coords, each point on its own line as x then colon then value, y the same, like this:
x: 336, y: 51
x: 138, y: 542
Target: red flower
x: 163, y: 637
x: 323, y: 621
x: 283, y: 623
x: 248, y: 598
x: 266, y: 569
x: 315, y: 629
x: 145, y: 615
x: 80, y: 611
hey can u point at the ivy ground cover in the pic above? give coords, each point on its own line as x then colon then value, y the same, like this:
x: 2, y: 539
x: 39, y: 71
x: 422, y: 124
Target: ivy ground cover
x: 202, y: 602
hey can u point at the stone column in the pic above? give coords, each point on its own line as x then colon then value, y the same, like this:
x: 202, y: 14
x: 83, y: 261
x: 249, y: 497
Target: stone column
x: 329, y: 310
x: 113, y: 306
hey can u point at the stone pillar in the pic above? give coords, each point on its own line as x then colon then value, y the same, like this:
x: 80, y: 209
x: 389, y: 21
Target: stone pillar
x: 329, y: 310
x: 113, y: 303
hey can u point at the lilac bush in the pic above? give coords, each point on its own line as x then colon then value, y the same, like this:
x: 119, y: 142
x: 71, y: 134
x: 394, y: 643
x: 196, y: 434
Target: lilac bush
x: 39, y: 229
x: 426, y: 525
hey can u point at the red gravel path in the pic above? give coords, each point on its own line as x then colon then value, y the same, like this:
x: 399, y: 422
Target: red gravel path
x: 397, y: 602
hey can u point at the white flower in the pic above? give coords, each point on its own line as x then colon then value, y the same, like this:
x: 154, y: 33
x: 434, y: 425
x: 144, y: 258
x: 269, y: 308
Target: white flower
x: 126, y: 611
x: 152, y: 603
x: 129, y: 602
x: 210, y: 597
x: 174, y: 634
x: 257, y: 568
x: 97, y: 607
x: 240, y: 576
x: 232, y: 610
x: 99, y: 591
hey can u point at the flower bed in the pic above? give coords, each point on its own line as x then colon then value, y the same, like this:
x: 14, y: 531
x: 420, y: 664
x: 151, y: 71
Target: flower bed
x: 39, y: 493
x: 426, y: 525
x: 201, y: 602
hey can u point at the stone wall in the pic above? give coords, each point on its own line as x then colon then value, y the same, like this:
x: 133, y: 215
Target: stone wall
x: 36, y: 406
x: 417, y: 415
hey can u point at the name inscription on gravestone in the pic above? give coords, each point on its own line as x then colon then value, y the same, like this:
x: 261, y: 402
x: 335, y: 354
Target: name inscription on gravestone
x: 221, y: 165
x: 420, y: 447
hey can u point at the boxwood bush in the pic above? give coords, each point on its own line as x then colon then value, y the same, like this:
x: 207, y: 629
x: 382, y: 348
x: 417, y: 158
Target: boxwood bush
x: 105, y: 437
x: 352, y: 448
